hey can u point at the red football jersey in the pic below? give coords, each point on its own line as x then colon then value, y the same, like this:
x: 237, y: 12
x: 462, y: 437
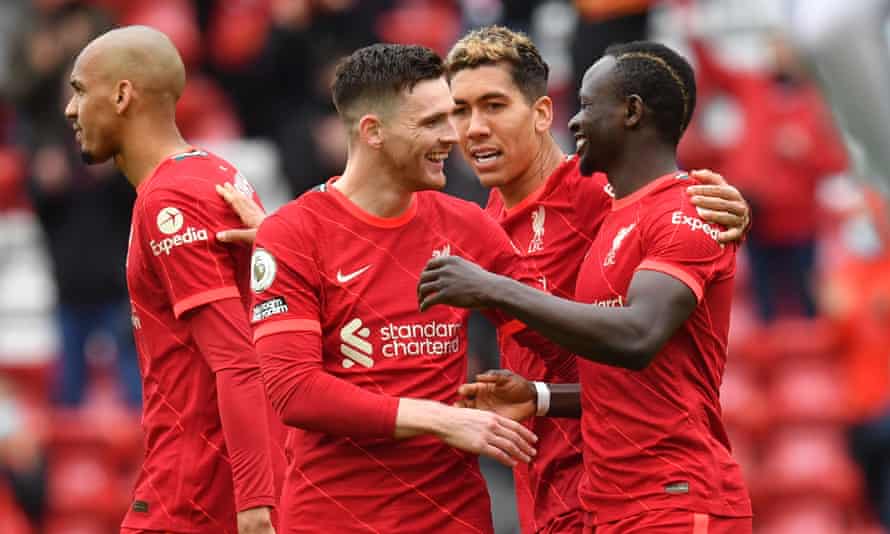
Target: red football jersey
x: 174, y: 264
x: 653, y: 439
x: 554, y: 227
x: 323, y: 264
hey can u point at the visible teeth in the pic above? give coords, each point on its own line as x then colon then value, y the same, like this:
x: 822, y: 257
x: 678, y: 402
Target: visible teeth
x: 437, y: 157
x: 485, y: 158
x: 580, y: 143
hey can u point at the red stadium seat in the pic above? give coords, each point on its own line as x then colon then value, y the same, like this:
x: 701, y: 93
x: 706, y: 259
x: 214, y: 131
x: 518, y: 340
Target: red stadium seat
x: 807, y: 391
x: 803, y: 517
x: 805, y: 462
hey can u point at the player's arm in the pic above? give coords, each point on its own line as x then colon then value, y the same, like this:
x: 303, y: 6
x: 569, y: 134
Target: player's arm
x: 627, y: 337
x: 306, y: 396
x: 221, y: 333
x: 506, y: 393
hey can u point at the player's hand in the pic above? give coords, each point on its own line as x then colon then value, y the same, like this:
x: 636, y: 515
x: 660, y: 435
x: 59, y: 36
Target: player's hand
x: 255, y: 521
x: 250, y: 213
x: 453, y: 281
x: 718, y: 202
x: 488, y: 434
x: 502, y: 392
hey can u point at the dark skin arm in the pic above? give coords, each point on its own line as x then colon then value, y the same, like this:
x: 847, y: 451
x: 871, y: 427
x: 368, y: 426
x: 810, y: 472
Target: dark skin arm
x: 627, y: 337
x: 510, y: 395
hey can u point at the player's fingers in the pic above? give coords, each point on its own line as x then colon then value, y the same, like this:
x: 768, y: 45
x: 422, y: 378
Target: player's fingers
x: 510, y: 444
x: 720, y: 191
x: 428, y: 288
x: 241, y: 236
x: 733, y: 234
x: 736, y: 207
x: 429, y: 301
x: 520, y: 429
x: 469, y: 390
x: 708, y: 176
x: 465, y: 403
x: 519, y: 447
x: 226, y: 194
x: 496, y: 454
x: 726, y: 219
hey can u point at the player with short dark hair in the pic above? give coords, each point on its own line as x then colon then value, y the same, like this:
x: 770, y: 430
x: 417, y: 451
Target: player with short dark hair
x: 347, y: 359
x: 209, y: 457
x: 649, y: 322
x: 552, y: 213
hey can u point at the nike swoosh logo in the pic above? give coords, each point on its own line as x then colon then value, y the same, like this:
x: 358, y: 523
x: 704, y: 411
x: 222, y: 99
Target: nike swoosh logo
x: 343, y: 278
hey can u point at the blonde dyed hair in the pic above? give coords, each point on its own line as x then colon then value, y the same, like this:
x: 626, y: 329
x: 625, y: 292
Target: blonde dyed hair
x: 494, y: 45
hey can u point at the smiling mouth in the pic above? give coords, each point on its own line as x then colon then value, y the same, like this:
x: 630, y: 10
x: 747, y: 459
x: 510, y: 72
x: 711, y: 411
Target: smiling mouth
x: 486, y: 156
x: 580, y: 143
x: 437, y: 157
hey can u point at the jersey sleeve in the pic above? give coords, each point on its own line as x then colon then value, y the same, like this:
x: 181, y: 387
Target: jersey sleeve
x: 677, y: 242
x: 285, y: 279
x: 192, y: 266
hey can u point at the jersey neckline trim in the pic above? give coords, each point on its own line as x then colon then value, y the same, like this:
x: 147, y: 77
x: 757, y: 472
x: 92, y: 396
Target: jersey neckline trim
x: 368, y: 218
x: 167, y: 159
x: 619, y: 203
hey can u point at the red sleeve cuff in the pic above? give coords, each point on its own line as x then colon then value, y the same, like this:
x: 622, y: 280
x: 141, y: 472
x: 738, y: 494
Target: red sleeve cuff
x: 254, y: 502
x: 204, y: 297
x: 676, y: 272
x: 287, y: 325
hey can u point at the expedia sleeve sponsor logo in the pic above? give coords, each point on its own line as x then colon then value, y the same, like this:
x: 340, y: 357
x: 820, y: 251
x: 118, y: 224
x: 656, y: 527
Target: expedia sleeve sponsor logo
x: 164, y: 246
x: 268, y: 308
x: 678, y: 217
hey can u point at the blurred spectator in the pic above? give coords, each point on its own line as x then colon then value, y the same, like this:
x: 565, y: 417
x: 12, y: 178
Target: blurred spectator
x: 787, y: 144
x: 85, y: 214
x: 857, y: 300
x: 605, y: 22
x: 22, y: 459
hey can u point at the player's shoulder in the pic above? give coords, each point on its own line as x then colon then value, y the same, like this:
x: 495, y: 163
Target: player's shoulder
x: 193, y: 175
x: 304, y: 211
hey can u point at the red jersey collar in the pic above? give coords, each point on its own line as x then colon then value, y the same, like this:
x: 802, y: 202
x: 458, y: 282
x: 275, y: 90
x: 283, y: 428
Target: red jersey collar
x: 364, y: 216
x: 564, y: 168
x: 619, y: 203
x: 161, y: 165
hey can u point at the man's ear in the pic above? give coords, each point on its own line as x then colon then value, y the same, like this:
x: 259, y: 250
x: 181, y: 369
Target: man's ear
x: 543, y: 108
x: 370, y: 130
x: 122, y: 96
x: 634, y: 111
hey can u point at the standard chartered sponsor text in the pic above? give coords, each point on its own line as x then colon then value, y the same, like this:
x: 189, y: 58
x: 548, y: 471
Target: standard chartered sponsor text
x: 433, y: 338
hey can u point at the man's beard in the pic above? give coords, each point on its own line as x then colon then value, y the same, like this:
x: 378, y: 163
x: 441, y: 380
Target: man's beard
x: 87, y: 157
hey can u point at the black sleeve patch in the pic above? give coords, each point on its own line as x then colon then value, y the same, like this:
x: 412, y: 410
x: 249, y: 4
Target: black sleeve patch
x: 268, y: 308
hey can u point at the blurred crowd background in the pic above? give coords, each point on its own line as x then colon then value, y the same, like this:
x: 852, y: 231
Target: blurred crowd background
x: 806, y: 387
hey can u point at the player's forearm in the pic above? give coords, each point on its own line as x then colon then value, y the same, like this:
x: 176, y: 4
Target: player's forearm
x: 240, y: 392
x: 565, y: 400
x: 416, y: 417
x: 613, y: 336
x: 306, y: 396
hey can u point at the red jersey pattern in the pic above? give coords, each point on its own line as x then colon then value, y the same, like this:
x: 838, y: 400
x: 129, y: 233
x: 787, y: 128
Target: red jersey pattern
x: 554, y: 227
x: 326, y: 266
x: 174, y: 264
x: 653, y: 439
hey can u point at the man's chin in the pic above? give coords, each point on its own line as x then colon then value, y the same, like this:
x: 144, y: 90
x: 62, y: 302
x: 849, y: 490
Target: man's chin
x: 586, y: 167
x: 91, y: 159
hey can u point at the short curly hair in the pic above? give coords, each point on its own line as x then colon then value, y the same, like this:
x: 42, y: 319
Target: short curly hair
x: 662, y: 78
x: 372, y: 76
x: 493, y: 45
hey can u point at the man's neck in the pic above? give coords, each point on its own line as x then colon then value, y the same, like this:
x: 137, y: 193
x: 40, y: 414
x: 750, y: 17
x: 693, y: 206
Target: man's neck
x: 636, y: 168
x: 546, y: 161
x: 145, y: 151
x: 376, y: 191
